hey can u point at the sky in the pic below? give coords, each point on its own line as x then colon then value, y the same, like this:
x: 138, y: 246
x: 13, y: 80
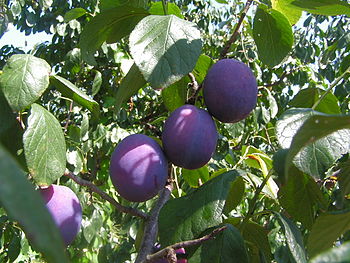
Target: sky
x: 19, y: 39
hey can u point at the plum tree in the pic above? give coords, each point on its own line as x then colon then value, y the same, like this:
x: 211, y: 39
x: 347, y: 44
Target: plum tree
x: 138, y: 168
x: 230, y: 90
x: 180, y: 251
x: 189, y: 137
x: 65, y: 208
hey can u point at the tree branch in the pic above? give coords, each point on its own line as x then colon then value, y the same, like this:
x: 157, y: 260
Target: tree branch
x: 169, y: 250
x: 236, y: 31
x: 151, y: 225
x: 95, y: 189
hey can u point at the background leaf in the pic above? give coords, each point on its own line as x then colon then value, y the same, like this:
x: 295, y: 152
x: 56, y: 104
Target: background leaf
x: 327, y: 228
x: 74, y: 14
x: 69, y: 90
x: 229, y: 243
x: 24, y: 80
x: 165, y: 48
x: 44, y: 146
x: 273, y: 35
x: 26, y: 206
x: 110, y: 26
x: 323, y: 7
x: 173, y: 9
x: 293, y: 237
x: 334, y: 255
x: 303, y: 130
x: 187, y: 217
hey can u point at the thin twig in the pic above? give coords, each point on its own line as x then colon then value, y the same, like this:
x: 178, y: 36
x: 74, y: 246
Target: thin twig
x: 151, y: 225
x: 236, y: 31
x: 105, y: 196
x: 164, y: 252
x: 194, y: 82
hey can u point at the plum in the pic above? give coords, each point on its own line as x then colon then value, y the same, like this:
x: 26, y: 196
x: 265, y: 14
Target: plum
x: 230, y: 90
x: 138, y: 168
x: 65, y: 209
x: 189, y: 137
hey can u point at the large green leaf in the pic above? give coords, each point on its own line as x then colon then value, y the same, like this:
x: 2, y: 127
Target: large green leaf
x: 69, y: 90
x: 109, y: 4
x: 235, y: 195
x: 175, y: 95
x: 327, y: 228
x: 340, y: 254
x: 187, y: 217
x: 303, y: 130
x: 202, y: 66
x: 44, y: 146
x: 273, y: 35
x: 306, y: 98
x: 131, y: 83
x: 228, y: 246
x: 26, y: 206
x: 24, y: 80
x: 256, y: 235
x: 322, y: 7
x: 291, y: 13
x: 173, y: 9
x: 293, y: 237
x: 343, y: 175
x: 110, y: 26
x: 165, y: 48
x: 299, y: 196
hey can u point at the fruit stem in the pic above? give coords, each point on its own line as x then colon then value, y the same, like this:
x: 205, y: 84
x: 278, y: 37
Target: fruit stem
x: 330, y: 87
x: 253, y: 203
x: 165, y: 7
x: 236, y: 31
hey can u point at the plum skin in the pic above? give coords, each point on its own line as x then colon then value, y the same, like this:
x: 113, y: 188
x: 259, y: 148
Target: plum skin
x: 189, y: 137
x: 138, y: 168
x: 230, y: 90
x: 65, y: 209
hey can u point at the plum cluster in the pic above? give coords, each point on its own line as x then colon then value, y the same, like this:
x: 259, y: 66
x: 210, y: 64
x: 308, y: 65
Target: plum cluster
x: 138, y: 166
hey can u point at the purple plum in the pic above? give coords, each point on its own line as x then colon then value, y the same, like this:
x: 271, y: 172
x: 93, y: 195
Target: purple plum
x: 230, y: 90
x: 189, y: 137
x: 65, y: 209
x: 138, y: 168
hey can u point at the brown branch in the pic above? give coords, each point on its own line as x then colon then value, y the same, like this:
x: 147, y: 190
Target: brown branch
x: 236, y: 31
x: 151, y: 225
x: 95, y: 189
x: 169, y: 250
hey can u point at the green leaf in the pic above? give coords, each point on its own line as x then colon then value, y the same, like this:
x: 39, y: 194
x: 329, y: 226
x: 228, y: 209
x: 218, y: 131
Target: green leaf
x: 344, y: 65
x: 109, y: 4
x: 131, y: 83
x: 24, y: 80
x: 343, y: 175
x: 69, y: 90
x: 26, y: 206
x: 92, y: 226
x: 96, y: 84
x: 299, y: 196
x: 110, y: 26
x: 257, y: 235
x: 222, y: 1
x: 187, y: 217
x: 327, y: 228
x: 323, y: 7
x: 303, y: 130
x: 235, y: 195
x: 273, y: 35
x: 173, y: 9
x: 306, y: 98
x: 175, y: 95
x: 283, y: 6
x: 44, y: 146
x: 293, y: 237
x: 202, y: 66
x: 339, y: 254
x: 165, y: 48
x: 227, y: 246
x: 74, y: 14
x: 196, y: 177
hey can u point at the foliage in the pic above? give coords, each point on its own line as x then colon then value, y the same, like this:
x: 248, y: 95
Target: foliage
x: 278, y: 180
